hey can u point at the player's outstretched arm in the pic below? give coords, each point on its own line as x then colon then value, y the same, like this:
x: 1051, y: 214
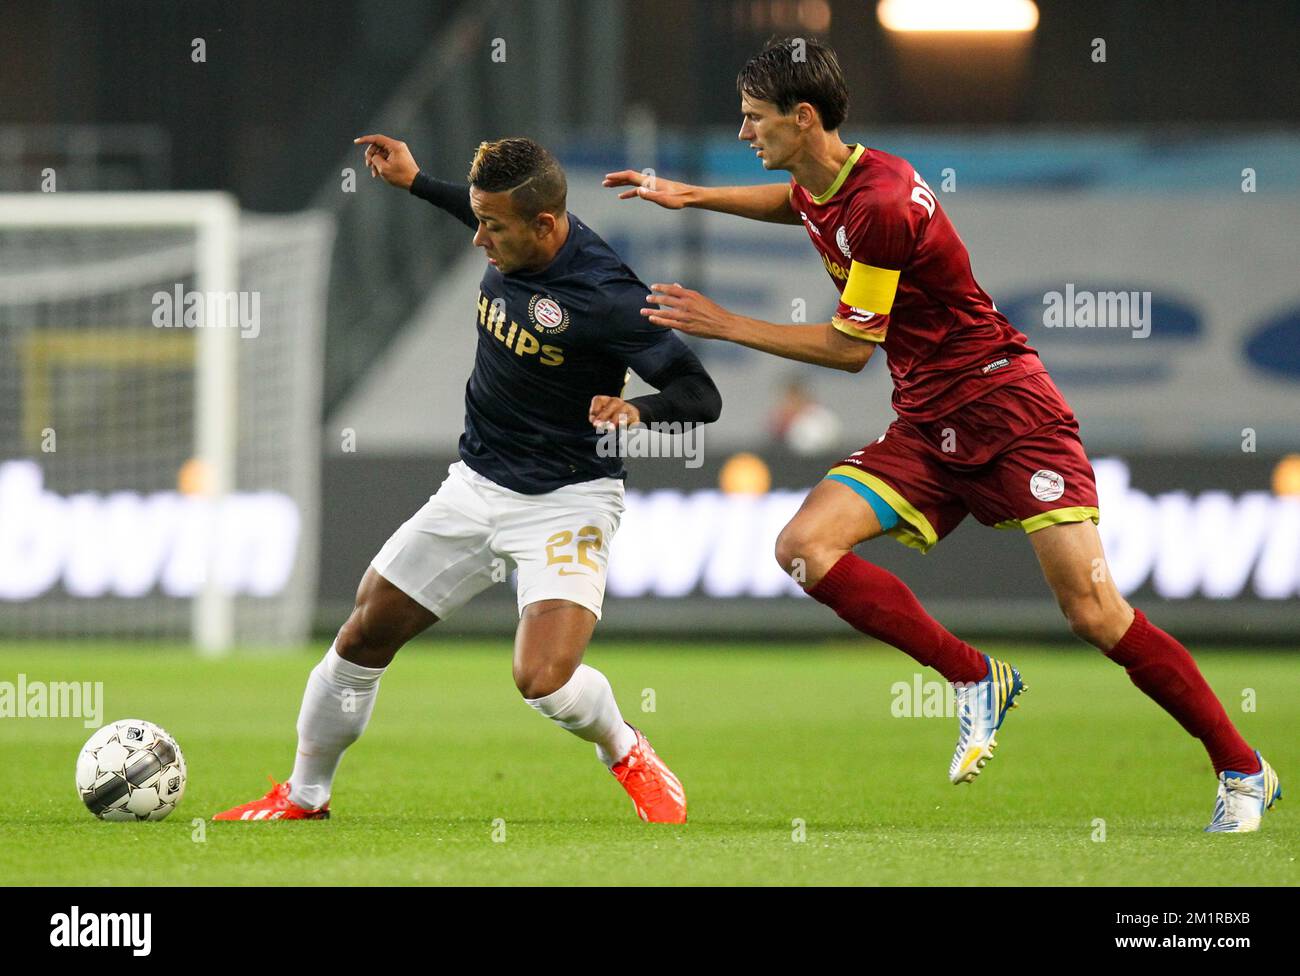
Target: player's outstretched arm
x: 821, y: 344
x: 770, y: 202
x: 391, y: 160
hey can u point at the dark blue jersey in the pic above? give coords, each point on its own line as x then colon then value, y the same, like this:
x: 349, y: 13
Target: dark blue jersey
x: 548, y: 342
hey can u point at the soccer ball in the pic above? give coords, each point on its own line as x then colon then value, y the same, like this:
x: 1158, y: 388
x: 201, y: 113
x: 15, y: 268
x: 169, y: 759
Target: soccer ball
x: 131, y: 770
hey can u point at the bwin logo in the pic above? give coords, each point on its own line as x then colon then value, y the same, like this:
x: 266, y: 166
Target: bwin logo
x: 105, y: 929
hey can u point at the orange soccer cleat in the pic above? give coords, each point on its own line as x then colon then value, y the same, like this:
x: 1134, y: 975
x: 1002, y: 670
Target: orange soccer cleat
x: 656, y: 793
x: 276, y: 805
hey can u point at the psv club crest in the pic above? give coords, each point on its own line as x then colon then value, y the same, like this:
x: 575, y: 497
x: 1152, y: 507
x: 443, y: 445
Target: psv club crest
x: 547, y: 314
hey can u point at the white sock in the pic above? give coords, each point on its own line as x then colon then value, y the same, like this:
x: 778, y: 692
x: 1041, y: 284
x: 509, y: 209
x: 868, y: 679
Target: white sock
x: 585, y: 706
x: 336, y: 706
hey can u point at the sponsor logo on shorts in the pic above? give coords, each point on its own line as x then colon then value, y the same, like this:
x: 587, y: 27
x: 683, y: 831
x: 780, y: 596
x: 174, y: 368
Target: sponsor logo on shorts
x: 1046, y: 486
x: 547, y: 314
x: 994, y: 366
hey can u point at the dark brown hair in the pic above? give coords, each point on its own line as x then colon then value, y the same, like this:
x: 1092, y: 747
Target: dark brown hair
x: 524, y: 169
x: 797, y: 69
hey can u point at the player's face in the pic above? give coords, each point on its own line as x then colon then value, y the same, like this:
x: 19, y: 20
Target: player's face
x: 510, y: 242
x: 773, y: 137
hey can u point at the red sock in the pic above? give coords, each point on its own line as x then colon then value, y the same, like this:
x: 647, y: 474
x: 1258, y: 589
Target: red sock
x: 1163, y: 669
x: 879, y: 604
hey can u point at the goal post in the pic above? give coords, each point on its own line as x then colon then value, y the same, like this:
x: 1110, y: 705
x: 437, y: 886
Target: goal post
x: 98, y: 283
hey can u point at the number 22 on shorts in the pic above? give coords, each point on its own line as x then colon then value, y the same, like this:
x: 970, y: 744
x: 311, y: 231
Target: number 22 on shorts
x: 589, y: 537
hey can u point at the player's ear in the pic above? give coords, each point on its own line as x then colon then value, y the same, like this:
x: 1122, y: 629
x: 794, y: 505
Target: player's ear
x: 544, y: 223
x: 805, y: 116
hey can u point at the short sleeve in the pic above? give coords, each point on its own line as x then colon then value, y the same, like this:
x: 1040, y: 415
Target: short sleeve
x: 881, y: 234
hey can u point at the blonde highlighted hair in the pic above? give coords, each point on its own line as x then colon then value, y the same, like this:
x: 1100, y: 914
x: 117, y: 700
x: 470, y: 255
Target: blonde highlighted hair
x: 525, y: 170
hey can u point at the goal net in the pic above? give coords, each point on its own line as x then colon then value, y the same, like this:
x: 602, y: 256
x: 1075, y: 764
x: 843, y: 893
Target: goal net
x: 160, y: 367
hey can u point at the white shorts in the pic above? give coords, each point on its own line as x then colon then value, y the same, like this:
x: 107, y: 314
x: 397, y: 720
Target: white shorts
x: 473, y: 532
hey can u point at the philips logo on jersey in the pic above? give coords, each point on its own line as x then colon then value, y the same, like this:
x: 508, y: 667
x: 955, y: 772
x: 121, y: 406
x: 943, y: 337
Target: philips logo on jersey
x: 492, y: 316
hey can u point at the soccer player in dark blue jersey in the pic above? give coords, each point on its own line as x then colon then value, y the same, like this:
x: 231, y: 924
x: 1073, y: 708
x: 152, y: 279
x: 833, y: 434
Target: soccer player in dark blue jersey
x: 559, y: 325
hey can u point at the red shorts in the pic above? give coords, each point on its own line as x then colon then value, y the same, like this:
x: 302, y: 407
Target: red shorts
x: 1011, y: 458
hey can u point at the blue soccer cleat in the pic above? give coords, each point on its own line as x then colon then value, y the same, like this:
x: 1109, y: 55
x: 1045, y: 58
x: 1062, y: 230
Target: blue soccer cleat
x: 1243, y: 798
x: 981, y: 707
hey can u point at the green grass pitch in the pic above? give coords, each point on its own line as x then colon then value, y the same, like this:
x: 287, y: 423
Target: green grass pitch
x: 764, y: 737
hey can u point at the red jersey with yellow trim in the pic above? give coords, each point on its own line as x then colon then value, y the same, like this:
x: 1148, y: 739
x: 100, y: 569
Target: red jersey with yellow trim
x: 905, y: 281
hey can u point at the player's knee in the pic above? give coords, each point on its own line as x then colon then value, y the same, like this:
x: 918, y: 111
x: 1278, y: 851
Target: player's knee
x: 366, y: 640
x: 349, y: 641
x: 792, y: 546
x: 383, y: 620
x: 537, y: 680
x: 353, y: 642
x: 1088, y: 620
x: 802, y: 552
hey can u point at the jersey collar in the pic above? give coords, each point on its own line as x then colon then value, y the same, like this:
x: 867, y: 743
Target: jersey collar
x: 842, y: 175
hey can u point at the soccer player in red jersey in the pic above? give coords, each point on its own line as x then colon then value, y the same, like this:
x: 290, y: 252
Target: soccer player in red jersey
x: 981, y: 427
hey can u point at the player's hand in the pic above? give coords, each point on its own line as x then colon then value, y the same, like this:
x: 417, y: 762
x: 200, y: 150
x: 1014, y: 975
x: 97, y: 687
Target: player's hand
x: 389, y: 159
x: 687, y: 311
x: 608, y: 412
x: 668, y: 194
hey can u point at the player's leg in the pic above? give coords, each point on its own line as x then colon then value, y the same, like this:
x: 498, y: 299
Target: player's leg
x: 552, y: 637
x: 549, y: 673
x: 860, y: 499
x: 816, y: 548
x: 342, y: 689
x: 436, y: 561
x: 560, y: 542
x: 1075, y: 567
x: 383, y: 619
x: 1043, y: 482
x: 339, y: 699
